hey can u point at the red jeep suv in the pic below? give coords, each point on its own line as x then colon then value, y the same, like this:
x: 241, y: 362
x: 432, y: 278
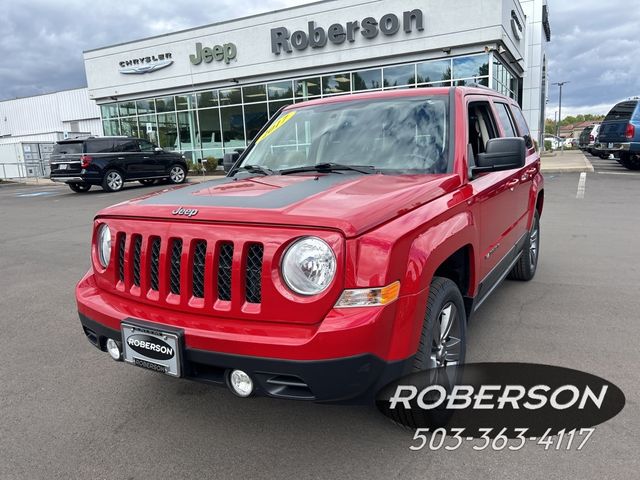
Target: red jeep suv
x: 346, y: 247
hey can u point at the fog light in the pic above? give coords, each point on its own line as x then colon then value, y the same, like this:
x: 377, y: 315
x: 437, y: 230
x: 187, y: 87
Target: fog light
x: 241, y: 383
x: 114, y: 349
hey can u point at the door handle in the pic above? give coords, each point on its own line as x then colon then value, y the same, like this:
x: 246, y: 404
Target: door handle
x: 512, y: 183
x: 120, y: 158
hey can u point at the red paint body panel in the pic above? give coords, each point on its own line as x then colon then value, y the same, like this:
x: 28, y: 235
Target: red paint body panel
x: 383, y: 228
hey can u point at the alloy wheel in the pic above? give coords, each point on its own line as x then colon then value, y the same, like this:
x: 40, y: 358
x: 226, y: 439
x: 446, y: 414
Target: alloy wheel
x: 533, y: 244
x: 114, y: 180
x: 446, y: 345
x: 177, y: 174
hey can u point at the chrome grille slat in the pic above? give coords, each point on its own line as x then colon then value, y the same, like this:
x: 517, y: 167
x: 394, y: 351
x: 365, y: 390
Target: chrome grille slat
x: 225, y: 263
x: 154, y: 265
x: 174, y: 273
x: 199, y: 255
x: 137, y: 246
x: 253, y: 276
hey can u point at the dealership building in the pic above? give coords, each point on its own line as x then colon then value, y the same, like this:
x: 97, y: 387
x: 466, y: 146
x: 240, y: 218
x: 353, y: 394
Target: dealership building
x: 208, y: 90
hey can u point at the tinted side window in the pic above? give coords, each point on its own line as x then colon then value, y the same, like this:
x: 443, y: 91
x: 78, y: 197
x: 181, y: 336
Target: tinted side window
x: 505, y: 120
x: 100, y: 146
x: 67, y: 148
x: 127, y: 145
x: 146, y: 146
x: 522, y: 126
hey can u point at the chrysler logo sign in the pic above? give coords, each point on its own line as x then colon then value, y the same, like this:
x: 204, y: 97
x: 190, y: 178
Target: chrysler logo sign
x: 146, y: 64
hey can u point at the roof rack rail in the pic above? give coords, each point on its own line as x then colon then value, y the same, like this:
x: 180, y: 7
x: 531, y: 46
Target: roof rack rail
x: 477, y: 85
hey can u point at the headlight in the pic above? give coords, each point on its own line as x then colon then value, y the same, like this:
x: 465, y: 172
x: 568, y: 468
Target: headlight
x: 308, y: 266
x: 104, y: 245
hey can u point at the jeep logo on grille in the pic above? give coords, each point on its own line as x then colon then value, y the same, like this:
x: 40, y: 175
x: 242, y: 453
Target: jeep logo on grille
x: 187, y: 212
x: 150, y: 347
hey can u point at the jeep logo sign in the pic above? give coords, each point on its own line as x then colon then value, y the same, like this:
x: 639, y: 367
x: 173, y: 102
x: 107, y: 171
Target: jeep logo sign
x: 219, y: 53
x: 151, y: 347
x: 369, y: 28
x: 187, y: 212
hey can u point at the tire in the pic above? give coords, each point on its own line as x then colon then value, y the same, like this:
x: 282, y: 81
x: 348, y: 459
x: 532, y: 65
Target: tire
x: 444, y: 296
x: 604, y: 156
x: 79, y: 187
x: 148, y: 182
x: 527, y: 265
x: 630, y: 162
x: 113, y: 181
x: 177, y: 174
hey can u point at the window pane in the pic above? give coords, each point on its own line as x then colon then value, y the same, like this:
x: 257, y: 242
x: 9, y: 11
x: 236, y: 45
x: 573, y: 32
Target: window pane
x: 280, y: 90
x: 185, y: 102
x: 213, y: 157
x: 146, y: 106
x: 340, y: 83
x: 367, y: 80
x: 111, y: 127
x: 484, y: 81
x: 210, y: 133
x: 208, y: 99
x: 255, y: 116
x: 470, y: 67
x: 255, y: 93
x: 127, y: 108
x: 146, y: 146
x: 399, y: 76
x: 230, y: 96
x: 188, y: 130
x: 129, y: 127
x: 168, y: 131
x: 165, y: 104
x: 106, y: 112
x: 307, y: 88
x: 505, y: 120
x: 148, y: 128
x: 275, y: 106
x: 436, y: 71
x: 232, y: 127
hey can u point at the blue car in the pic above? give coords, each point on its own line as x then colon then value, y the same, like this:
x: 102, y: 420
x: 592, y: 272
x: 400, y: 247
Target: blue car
x: 620, y: 133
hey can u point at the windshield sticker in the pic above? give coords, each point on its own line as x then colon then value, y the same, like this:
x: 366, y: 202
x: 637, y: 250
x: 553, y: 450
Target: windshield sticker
x: 276, y: 125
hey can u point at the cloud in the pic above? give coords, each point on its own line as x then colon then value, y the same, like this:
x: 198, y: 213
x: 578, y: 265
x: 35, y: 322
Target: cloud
x: 594, y: 46
x: 42, y: 41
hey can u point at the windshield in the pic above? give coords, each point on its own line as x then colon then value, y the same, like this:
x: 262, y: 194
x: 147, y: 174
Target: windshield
x: 406, y: 135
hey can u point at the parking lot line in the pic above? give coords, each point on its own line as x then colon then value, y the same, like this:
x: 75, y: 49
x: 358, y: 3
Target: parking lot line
x: 582, y: 185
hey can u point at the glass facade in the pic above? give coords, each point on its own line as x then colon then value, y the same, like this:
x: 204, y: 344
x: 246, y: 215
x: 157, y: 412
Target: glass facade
x: 207, y: 124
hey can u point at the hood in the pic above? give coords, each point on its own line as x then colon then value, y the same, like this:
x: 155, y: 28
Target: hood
x: 347, y: 201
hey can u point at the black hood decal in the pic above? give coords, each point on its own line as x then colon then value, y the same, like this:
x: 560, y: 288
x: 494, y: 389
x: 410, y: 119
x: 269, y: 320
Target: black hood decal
x: 277, y: 198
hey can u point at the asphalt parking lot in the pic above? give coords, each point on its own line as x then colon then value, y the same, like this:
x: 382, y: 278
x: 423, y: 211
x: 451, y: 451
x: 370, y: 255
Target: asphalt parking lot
x: 67, y: 411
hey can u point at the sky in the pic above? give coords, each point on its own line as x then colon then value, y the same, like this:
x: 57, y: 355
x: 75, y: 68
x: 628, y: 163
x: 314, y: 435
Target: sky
x: 594, y: 44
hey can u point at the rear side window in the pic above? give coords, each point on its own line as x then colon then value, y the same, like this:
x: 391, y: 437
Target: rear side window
x: 100, y: 146
x: 67, y: 148
x: 505, y: 120
x: 146, y: 146
x: 127, y: 145
x: 621, y: 112
x: 522, y: 126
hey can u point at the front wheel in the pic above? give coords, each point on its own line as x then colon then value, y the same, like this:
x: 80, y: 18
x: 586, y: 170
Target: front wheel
x: 177, y: 174
x: 80, y: 187
x: 113, y: 181
x: 527, y: 265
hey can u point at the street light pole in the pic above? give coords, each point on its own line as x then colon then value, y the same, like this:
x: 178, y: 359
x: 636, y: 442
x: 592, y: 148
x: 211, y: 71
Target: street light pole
x: 559, y: 84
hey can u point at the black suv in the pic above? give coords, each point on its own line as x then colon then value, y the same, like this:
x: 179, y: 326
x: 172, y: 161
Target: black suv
x: 111, y: 161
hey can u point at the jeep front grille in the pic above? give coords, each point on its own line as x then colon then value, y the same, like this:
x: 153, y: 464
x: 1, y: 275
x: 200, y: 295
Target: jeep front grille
x: 192, y: 269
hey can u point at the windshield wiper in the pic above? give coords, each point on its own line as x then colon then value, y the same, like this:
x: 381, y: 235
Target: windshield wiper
x: 257, y: 169
x: 329, y: 167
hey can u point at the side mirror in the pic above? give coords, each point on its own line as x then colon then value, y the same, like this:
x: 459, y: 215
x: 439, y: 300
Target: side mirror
x: 158, y: 150
x: 229, y: 160
x: 501, y: 154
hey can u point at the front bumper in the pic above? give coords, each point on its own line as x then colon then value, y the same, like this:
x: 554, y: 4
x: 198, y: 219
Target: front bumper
x: 329, y: 362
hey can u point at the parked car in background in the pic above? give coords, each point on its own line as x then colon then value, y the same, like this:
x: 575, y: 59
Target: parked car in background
x: 620, y: 133
x: 111, y: 161
x: 588, y: 138
x: 555, y: 141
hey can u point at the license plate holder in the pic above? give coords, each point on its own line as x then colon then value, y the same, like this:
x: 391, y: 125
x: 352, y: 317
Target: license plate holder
x: 610, y: 145
x: 63, y: 166
x: 155, y: 348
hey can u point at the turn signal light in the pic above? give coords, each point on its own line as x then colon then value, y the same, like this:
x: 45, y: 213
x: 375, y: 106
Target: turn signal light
x: 369, y: 297
x: 631, y: 131
x: 85, y: 160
